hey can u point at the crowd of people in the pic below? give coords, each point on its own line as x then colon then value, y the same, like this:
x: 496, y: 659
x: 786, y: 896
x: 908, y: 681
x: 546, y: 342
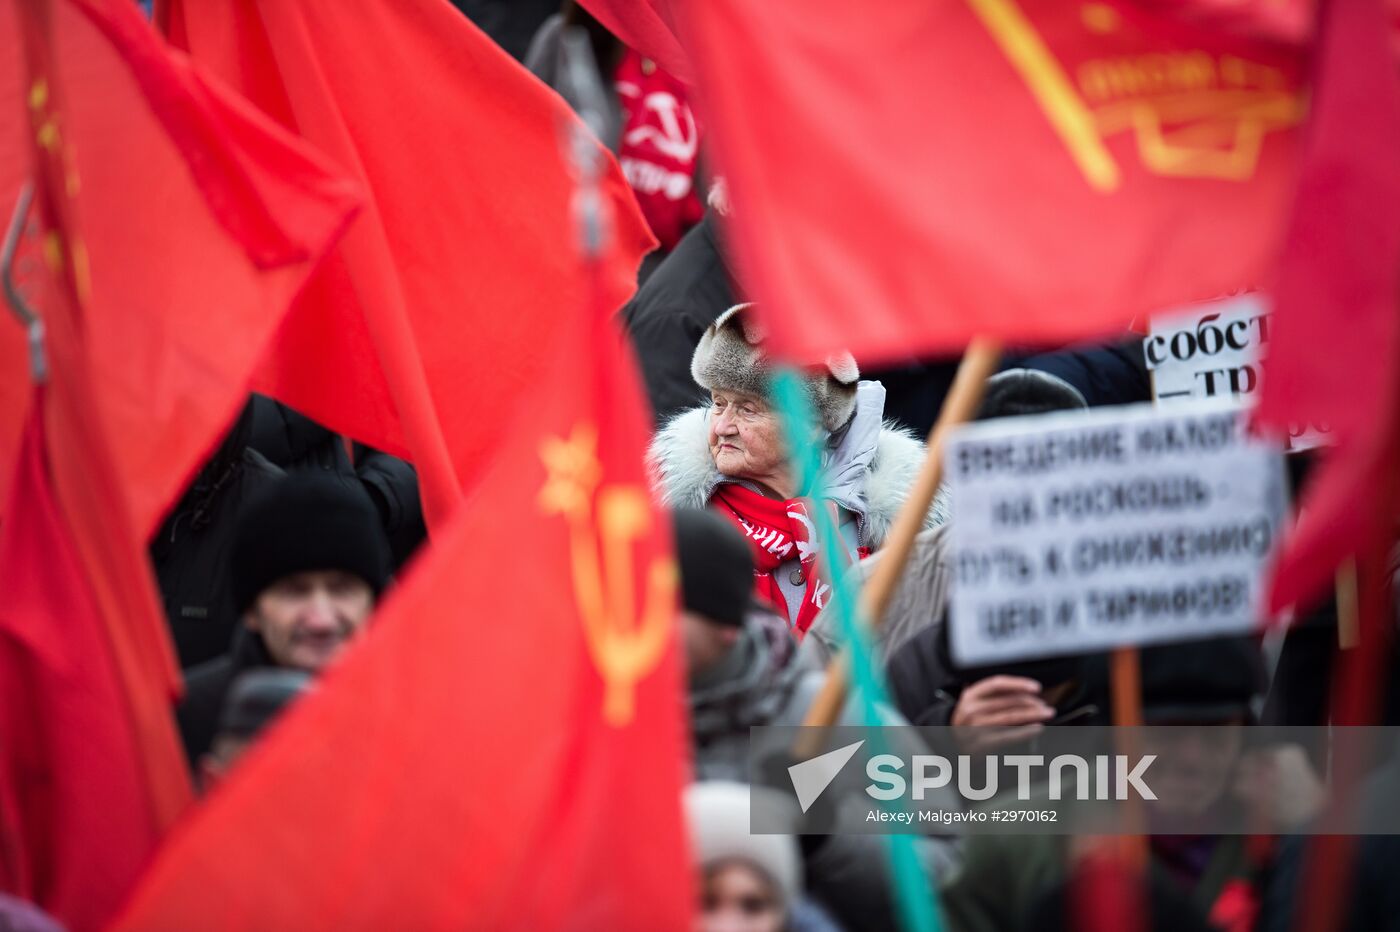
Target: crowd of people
x: 273, y: 561
x: 295, y: 556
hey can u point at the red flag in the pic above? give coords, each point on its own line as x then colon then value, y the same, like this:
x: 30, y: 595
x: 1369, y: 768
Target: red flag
x: 1030, y: 170
x: 648, y: 26
x: 1287, y: 20
x: 505, y: 748
x: 77, y: 817
x: 201, y: 220
x: 1335, y: 353
x: 152, y: 237
x: 423, y: 330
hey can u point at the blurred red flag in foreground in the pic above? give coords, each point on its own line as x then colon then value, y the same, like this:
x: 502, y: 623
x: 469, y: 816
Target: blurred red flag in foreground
x: 648, y: 26
x: 422, y: 331
x: 162, y: 270
x: 1288, y: 20
x: 201, y: 220
x: 505, y: 748
x: 1029, y: 170
x: 90, y: 774
x: 1335, y: 353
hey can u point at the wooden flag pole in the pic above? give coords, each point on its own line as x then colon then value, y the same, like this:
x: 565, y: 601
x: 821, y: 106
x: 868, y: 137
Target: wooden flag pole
x: 1125, y: 678
x: 1127, y: 687
x: 1348, y: 610
x: 978, y: 363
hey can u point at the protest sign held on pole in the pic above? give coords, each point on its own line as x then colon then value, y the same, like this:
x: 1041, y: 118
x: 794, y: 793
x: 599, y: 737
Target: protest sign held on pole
x: 1088, y: 531
x: 1215, y: 351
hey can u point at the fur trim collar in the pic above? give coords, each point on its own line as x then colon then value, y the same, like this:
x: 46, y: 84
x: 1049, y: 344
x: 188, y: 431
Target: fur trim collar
x: 684, y: 476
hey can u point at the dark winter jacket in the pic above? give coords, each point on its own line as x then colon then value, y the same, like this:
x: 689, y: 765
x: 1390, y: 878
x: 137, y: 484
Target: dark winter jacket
x: 1372, y: 904
x: 1104, y: 373
x: 190, y: 552
x: 926, y: 682
x: 1006, y: 880
x: 208, y: 684
x: 667, y: 315
x: 510, y: 23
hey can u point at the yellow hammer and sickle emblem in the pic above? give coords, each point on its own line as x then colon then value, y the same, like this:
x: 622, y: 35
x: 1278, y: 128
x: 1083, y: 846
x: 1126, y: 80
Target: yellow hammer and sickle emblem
x: 1224, y: 127
x: 624, y: 648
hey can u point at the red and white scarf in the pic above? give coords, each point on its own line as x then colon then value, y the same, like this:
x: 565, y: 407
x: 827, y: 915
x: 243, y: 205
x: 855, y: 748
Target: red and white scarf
x: 777, y: 531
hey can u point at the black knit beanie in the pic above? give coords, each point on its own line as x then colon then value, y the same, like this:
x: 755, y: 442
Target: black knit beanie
x: 1018, y: 392
x: 716, y: 567
x: 306, y: 522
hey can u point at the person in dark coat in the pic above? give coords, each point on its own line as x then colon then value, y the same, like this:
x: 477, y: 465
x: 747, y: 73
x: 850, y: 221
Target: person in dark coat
x: 190, y: 551
x: 1005, y: 881
x: 309, y: 562
x: 744, y: 672
x: 509, y: 23
x: 670, y: 312
x: 927, y: 685
x: 255, y: 699
x: 296, y: 443
x: 1103, y: 373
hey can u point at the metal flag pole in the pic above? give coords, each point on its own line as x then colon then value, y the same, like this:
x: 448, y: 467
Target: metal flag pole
x: 32, y: 322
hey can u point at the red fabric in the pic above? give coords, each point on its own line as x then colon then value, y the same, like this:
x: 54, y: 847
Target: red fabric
x: 1287, y: 20
x: 1335, y: 353
x: 898, y: 188
x: 419, y: 334
x: 76, y: 824
x: 1236, y: 909
x: 1107, y: 893
x: 91, y: 770
x: 647, y: 26
x: 467, y: 766
x: 659, y: 149
x: 774, y: 528
x: 201, y: 220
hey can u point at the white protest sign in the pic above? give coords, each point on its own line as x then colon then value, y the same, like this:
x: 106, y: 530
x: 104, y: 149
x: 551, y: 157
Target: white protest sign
x: 1213, y: 351
x: 1089, y: 530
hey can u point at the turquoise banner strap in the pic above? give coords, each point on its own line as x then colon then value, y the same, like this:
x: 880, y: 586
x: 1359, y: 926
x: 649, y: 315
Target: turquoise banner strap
x: 915, y: 897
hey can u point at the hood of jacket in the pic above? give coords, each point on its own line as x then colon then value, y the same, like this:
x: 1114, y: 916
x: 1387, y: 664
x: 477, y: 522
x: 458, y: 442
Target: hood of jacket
x: 868, y: 466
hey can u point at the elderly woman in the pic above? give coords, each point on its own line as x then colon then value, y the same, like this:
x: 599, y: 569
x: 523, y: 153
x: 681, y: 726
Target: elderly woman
x: 731, y: 456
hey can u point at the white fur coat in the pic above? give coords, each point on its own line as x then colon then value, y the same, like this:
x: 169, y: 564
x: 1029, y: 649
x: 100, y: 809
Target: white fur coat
x: 684, y: 475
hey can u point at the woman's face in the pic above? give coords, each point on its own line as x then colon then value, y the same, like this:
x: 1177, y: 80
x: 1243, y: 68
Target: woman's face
x: 738, y: 898
x: 745, y: 440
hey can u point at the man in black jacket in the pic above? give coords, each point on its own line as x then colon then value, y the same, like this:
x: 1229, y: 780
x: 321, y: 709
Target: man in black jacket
x: 671, y: 310
x: 309, y: 563
x: 191, y: 550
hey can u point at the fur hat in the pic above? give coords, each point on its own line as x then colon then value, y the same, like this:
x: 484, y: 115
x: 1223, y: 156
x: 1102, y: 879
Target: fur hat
x: 731, y: 357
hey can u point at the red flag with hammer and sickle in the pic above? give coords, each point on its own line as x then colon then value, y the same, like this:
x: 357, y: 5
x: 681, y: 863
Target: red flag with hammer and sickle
x: 1029, y: 170
x: 505, y: 748
x: 169, y: 227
